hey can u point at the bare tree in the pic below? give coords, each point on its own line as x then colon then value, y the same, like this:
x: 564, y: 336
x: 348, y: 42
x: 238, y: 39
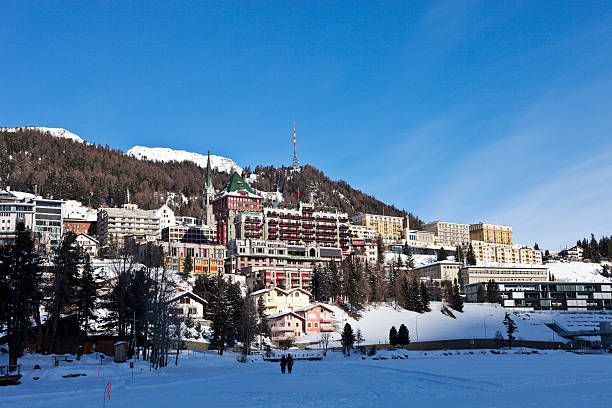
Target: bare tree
x: 325, y: 338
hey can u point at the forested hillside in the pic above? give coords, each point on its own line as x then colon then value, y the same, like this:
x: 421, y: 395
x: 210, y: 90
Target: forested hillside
x: 99, y: 175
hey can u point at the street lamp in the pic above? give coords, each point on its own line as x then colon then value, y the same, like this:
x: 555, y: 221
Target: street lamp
x: 484, y: 323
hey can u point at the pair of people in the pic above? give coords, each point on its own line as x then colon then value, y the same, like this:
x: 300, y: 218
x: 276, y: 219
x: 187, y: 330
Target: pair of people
x: 286, y: 362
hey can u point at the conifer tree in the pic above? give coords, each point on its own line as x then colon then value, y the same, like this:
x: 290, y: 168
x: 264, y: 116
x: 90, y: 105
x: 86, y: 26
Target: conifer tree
x: 458, y: 254
x: 336, y: 289
x: 20, y: 290
x: 511, y: 328
x: 86, y: 297
x: 393, y: 336
x: 492, y: 291
x: 480, y: 295
x: 67, y: 259
x: 347, y: 339
x: 247, y: 324
x: 424, y: 297
x: 442, y: 255
x: 456, y: 300
x: 359, y: 337
x: 187, y: 266
x: 403, y: 336
x: 380, y: 250
x: 471, y: 256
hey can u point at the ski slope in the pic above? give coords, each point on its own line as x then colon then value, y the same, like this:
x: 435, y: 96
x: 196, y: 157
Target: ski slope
x: 464, y: 378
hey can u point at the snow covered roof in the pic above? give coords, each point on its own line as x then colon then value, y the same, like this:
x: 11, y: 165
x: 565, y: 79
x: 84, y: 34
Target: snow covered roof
x: 284, y: 292
x: 305, y: 308
x: 89, y: 237
x: 180, y: 292
x: 277, y: 315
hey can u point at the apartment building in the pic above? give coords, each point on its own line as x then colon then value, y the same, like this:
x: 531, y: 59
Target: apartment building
x: 285, y: 277
x: 362, y: 232
x: 15, y: 208
x: 205, y: 258
x: 115, y: 224
x: 365, y: 249
x: 492, y: 233
x: 306, y: 224
x: 549, y: 295
x: 441, y: 270
x: 388, y: 227
x: 47, y: 223
x: 474, y: 274
x: 201, y: 234
x: 278, y: 300
x: 289, y: 326
x: 507, y: 254
x: 449, y: 233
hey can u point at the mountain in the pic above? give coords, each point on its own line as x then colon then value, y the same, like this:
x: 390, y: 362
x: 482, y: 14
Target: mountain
x: 32, y: 159
x: 55, y: 132
x: 164, y: 154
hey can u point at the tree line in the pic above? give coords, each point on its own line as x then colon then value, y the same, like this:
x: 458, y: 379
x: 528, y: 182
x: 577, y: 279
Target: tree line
x: 596, y: 250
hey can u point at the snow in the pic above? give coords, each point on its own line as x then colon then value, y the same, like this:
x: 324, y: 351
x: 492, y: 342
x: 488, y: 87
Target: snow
x: 274, y: 196
x: 55, y: 132
x: 466, y: 378
x: 419, y: 260
x: 164, y: 154
x: 377, y: 319
x: 577, y: 271
x: 76, y: 210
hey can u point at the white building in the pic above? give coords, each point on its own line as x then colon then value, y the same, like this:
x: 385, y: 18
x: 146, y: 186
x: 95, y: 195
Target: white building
x: 115, y: 224
x: 165, y: 216
x: 449, y: 233
x: 89, y: 244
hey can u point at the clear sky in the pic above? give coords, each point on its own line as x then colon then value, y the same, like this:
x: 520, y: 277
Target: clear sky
x: 464, y: 111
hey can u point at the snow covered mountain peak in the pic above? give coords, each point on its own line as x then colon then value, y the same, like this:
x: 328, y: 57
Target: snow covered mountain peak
x: 164, y: 154
x: 55, y: 132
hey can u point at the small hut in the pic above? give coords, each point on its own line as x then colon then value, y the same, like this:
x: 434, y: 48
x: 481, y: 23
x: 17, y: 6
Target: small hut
x: 121, y: 349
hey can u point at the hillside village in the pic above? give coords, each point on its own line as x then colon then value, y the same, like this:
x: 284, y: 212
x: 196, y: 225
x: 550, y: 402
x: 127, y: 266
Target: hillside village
x: 255, y: 273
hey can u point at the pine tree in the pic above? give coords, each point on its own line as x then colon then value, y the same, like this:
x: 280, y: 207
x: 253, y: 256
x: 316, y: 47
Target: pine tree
x: 403, y: 336
x: 594, y: 250
x: 336, y: 289
x: 442, y: 255
x: 492, y: 291
x: 406, y: 250
x: 380, y: 250
x: 480, y: 295
x: 471, y: 256
x: 86, y: 297
x: 187, y: 266
x: 393, y: 336
x: 247, y: 325
x: 20, y: 290
x: 410, y: 264
x: 511, y: 328
x: 424, y: 297
x: 456, y: 300
x: 359, y: 337
x: 536, y: 246
x: 458, y: 254
x: 347, y: 339
x: 67, y: 259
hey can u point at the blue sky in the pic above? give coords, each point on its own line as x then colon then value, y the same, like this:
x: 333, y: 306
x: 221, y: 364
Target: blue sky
x: 464, y: 111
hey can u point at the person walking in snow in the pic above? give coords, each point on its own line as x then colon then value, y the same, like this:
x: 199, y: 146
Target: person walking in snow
x: 289, y: 363
x: 283, y: 364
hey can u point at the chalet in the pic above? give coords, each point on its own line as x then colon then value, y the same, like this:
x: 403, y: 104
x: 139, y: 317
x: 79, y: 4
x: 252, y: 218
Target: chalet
x: 278, y: 300
x: 318, y: 318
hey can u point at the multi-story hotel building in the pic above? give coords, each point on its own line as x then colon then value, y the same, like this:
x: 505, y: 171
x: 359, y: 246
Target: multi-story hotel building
x: 362, y: 232
x: 306, y: 224
x: 509, y: 254
x: 449, y: 233
x: 236, y: 197
x: 495, y: 234
x: 202, y: 234
x: 115, y: 224
x: 15, y: 208
x: 388, y: 227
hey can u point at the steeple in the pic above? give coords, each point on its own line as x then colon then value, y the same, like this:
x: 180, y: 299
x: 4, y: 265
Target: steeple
x: 209, y: 182
x: 296, y: 162
x: 209, y: 195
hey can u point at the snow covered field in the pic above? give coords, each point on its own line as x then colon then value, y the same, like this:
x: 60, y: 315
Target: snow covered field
x: 433, y: 379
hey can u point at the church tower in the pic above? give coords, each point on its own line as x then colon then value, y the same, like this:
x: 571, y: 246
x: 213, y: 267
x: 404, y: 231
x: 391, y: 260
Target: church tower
x: 209, y: 195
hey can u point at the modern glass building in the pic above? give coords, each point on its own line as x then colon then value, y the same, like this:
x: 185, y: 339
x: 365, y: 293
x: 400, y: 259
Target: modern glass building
x: 549, y: 295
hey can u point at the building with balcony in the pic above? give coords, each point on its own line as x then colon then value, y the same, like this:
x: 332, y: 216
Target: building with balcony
x: 285, y: 326
x: 449, y: 233
x: 388, y: 227
x: 318, y: 318
x: 277, y: 300
x: 205, y: 258
x: 547, y: 295
x: 495, y: 234
x: 15, y: 208
x: 306, y: 225
x: 201, y: 234
x: 115, y: 224
x: 507, y: 254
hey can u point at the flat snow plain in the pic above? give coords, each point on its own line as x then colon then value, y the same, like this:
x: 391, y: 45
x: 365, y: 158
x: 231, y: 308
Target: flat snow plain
x: 424, y: 379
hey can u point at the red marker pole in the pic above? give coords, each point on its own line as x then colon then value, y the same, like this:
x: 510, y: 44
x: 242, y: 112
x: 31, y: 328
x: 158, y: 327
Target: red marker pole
x: 106, y: 393
x: 132, y: 368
